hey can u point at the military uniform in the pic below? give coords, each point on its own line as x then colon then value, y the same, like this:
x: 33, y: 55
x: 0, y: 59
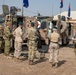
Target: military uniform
x: 7, y: 38
x: 32, y: 43
x: 1, y: 38
x: 53, y: 47
x: 18, y: 41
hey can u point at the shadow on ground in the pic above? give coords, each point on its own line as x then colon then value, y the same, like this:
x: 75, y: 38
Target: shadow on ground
x: 61, y: 62
x: 41, y: 60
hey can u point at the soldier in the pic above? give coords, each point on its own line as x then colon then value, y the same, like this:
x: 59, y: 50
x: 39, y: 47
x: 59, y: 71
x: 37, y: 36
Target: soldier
x: 1, y: 38
x: 32, y: 43
x: 18, y: 41
x: 53, y: 47
x: 7, y: 38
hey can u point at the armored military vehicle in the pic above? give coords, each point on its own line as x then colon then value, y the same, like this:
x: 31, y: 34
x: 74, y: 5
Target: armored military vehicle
x: 63, y: 29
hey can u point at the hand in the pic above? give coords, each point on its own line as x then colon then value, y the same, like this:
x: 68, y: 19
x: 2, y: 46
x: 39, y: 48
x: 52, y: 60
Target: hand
x: 26, y: 36
x: 73, y: 38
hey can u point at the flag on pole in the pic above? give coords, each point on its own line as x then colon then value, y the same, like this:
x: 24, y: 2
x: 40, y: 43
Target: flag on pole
x: 61, y: 4
x: 69, y: 10
x: 26, y: 3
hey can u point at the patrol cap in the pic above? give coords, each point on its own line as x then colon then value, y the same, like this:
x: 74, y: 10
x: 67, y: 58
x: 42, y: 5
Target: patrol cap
x: 54, y: 28
x: 32, y: 24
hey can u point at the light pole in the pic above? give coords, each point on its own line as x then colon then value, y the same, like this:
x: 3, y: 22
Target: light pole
x: 3, y: 2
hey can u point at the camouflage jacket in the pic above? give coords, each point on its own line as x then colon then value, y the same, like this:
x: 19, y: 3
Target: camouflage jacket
x: 7, y: 33
x: 1, y: 34
x: 32, y: 34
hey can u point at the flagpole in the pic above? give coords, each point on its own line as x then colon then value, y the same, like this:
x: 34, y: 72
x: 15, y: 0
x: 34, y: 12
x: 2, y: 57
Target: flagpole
x: 52, y: 9
x: 22, y: 10
x: 60, y: 11
x: 3, y: 2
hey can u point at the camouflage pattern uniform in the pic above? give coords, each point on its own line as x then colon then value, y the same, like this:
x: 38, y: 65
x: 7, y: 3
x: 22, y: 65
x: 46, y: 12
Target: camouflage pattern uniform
x: 7, y: 38
x: 32, y: 43
x: 1, y: 38
x: 53, y: 47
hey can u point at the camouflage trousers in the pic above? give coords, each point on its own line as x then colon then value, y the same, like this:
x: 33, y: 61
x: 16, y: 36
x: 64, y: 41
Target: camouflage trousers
x: 18, y: 48
x: 32, y: 47
x: 53, y: 50
x: 7, y: 47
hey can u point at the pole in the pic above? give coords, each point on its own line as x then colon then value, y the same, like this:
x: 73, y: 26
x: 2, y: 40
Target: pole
x: 22, y: 10
x: 52, y: 9
x: 3, y: 2
x: 60, y: 11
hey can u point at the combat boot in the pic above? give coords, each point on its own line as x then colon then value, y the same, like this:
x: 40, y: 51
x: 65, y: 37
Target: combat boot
x: 56, y: 65
x: 51, y: 63
x: 17, y: 59
x: 31, y: 62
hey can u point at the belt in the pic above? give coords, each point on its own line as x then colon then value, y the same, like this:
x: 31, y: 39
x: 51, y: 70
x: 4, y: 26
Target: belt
x: 54, y: 42
x: 31, y: 40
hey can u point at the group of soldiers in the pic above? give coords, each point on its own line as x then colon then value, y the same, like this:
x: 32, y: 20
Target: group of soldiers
x: 32, y: 35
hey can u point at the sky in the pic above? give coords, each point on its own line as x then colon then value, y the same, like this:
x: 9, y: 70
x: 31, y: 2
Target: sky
x: 44, y: 7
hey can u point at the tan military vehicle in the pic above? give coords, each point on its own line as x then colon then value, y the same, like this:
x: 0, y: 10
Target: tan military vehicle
x: 43, y: 29
x: 63, y: 29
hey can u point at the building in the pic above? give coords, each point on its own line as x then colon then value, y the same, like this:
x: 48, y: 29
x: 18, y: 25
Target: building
x: 65, y: 13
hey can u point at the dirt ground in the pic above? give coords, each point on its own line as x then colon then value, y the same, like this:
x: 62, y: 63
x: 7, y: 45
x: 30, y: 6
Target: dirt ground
x: 67, y: 65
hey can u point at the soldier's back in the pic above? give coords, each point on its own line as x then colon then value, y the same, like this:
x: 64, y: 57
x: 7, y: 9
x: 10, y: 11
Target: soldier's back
x: 32, y: 33
x: 54, y: 37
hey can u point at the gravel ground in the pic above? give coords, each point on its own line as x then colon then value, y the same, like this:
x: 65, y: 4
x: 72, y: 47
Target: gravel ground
x: 67, y: 65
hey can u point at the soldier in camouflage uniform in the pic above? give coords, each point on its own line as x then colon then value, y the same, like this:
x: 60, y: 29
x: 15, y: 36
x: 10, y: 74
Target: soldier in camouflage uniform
x: 32, y: 43
x: 1, y: 38
x: 7, y: 38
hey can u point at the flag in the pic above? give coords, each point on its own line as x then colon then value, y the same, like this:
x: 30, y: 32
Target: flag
x: 61, y: 4
x: 26, y: 3
x: 69, y: 10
